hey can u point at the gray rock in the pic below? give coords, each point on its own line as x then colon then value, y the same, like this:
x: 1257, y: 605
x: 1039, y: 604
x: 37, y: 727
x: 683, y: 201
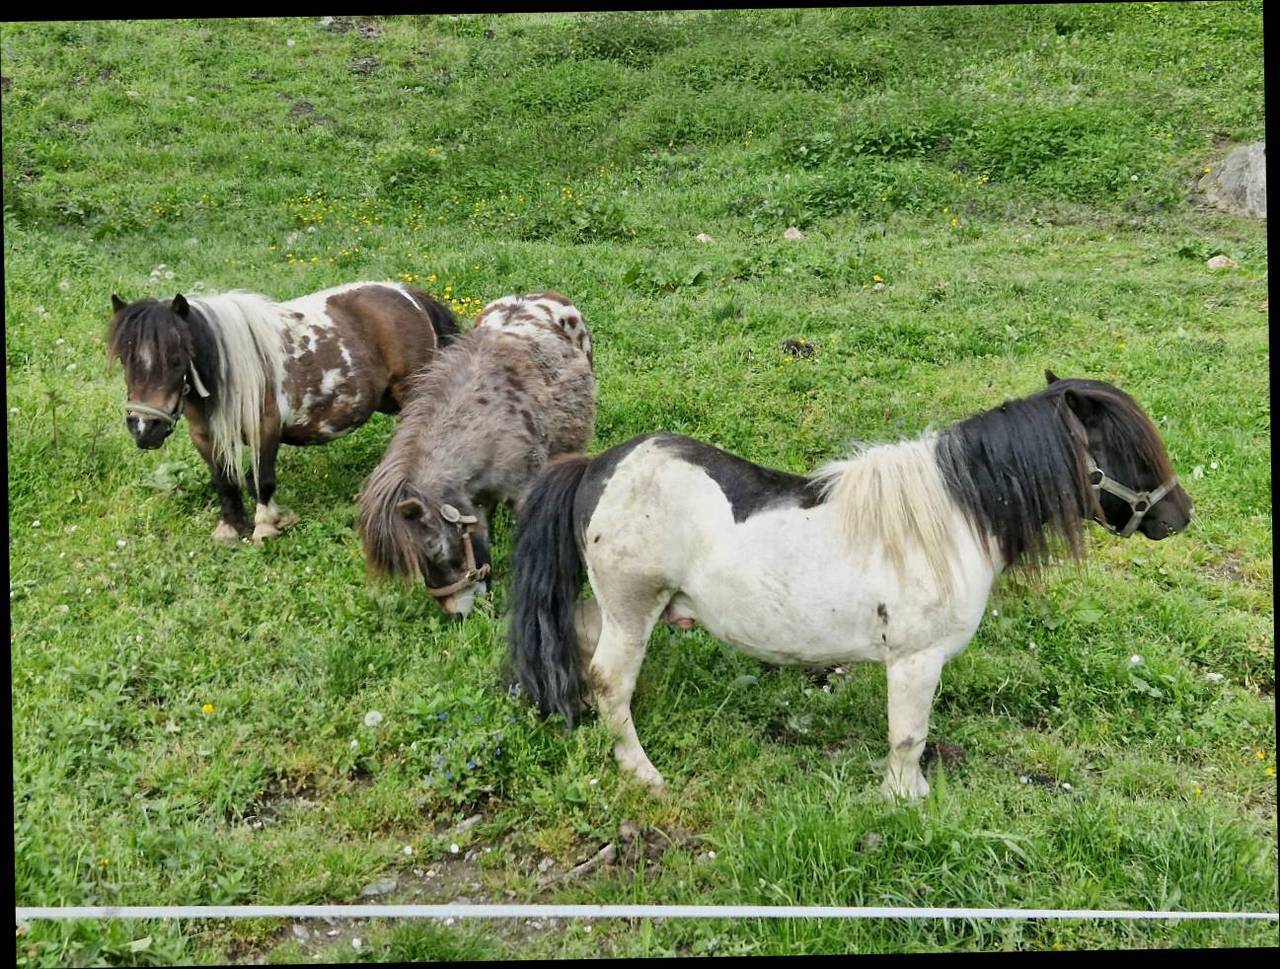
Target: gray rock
x: 1239, y: 184
x: 1221, y: 262
x: 380, y: 887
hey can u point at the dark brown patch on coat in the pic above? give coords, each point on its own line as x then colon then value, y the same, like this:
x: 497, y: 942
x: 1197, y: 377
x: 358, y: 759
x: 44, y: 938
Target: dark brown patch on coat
x: 748, y: 487
x: 405, y: 340
x: 883, y: 613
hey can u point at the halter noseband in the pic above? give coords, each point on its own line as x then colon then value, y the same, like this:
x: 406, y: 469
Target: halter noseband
x: 1139, y: 502
x: 189, y: 379
x: 470, y: 574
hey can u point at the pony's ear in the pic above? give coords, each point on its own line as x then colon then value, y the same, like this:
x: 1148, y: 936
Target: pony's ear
x: 412, y: 508
x: 1081, y: 406
x: 117, y: 304
x: 1050, y: 377
x: 179, y: 306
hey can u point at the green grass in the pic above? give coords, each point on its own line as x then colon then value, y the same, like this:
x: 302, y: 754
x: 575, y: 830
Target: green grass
x: 1016, y: 180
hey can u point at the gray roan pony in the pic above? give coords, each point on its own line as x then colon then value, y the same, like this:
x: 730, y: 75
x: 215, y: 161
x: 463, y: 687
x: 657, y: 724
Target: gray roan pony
x: 251, y: 374
x: 887, y: 556
x: 480, y: 424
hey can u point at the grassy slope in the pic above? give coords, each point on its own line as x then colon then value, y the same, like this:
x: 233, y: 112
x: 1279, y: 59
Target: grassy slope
x: 979, y: 162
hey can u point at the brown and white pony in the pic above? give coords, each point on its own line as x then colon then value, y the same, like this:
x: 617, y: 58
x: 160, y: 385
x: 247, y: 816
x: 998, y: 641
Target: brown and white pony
x: 250, y: 374
x: 888, y: 556
x: 494, y: 408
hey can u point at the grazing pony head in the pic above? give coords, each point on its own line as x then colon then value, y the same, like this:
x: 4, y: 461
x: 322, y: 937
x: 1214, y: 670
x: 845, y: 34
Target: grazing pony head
x: 440, y: 537
x: 1131, y: 476
x: 158, y: 342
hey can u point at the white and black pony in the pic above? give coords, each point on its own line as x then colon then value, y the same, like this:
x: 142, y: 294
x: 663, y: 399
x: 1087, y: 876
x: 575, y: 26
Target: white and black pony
x: 887, y: 556
x: 251, y: 374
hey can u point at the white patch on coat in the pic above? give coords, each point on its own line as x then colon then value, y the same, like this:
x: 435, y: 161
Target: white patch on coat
x: 329, y: 381
x: 144, y: 357
x: 406, y: 294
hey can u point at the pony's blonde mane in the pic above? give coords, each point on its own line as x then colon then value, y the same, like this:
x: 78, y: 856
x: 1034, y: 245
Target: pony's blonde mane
x: 893, y: 496
x: 248, y: 330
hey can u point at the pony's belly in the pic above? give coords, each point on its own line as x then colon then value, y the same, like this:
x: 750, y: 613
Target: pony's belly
x: 785, y: 588
x: 780, y: 636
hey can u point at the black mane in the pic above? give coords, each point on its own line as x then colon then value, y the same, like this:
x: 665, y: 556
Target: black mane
x: 1020, y: 473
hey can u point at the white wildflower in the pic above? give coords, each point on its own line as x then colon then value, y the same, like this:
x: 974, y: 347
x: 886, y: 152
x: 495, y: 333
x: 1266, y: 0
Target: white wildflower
x: 372, y: 718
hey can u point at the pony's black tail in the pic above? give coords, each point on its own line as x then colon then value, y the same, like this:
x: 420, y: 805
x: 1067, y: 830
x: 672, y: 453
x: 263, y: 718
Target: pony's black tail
x: 442, y: 319
x: 547, y: 576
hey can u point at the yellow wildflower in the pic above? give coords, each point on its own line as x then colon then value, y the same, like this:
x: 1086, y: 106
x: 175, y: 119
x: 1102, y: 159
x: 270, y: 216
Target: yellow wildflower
x: 207, y: 708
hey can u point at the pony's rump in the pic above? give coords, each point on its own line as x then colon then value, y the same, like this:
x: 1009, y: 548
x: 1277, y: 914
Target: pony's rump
x: 548, y: 574
x: 442, y: 319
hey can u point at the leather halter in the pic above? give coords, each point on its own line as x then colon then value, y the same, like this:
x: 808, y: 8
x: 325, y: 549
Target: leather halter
x: 470, y: 574
x: 1139, y: 502
x: 189, y: 379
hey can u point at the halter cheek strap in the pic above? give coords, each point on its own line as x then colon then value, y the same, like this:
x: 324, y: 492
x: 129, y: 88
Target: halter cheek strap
x: 470, y: 573
x: 192, y: 379
x: 1139, y: 502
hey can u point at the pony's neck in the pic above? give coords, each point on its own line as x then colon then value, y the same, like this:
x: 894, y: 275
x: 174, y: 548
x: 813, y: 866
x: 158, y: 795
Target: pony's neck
x: 1019, y: 474
x: 429, y: 461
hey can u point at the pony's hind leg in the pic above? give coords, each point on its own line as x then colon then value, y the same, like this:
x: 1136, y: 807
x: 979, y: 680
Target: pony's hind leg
x: 611, y: 676
x: 912, y: 680
x: 587, y: 625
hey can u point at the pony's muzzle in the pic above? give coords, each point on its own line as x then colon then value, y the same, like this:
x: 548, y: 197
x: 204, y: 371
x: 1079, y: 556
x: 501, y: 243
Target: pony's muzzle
x: 148, y: 432
x: 460, y: 603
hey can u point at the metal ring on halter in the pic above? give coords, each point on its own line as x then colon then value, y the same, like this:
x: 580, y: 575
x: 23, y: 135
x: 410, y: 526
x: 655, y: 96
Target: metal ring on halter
x: 1139, y: 502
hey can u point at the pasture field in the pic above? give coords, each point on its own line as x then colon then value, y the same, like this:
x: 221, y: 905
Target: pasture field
x: 983, y: 192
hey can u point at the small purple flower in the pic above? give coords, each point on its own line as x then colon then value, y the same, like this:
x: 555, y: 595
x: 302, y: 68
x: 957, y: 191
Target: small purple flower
x: 438, y: 761
x: 441, y: 716
x: 471, y: 765
x: 497, y: 752
x: 448, y: 775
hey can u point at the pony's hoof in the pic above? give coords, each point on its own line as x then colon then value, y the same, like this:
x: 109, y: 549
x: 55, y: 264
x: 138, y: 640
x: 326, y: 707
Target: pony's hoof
x: 906, y: 789
x: 649, y: 778
x: 226, y: 534
x: 264, y: 530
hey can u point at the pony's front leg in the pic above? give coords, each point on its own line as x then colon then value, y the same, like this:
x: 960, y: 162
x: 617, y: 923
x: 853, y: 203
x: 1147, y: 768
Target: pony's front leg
x: 268, y: 520
x: 611, y: 676
x: 233, y: 521
x: 912, y: 681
